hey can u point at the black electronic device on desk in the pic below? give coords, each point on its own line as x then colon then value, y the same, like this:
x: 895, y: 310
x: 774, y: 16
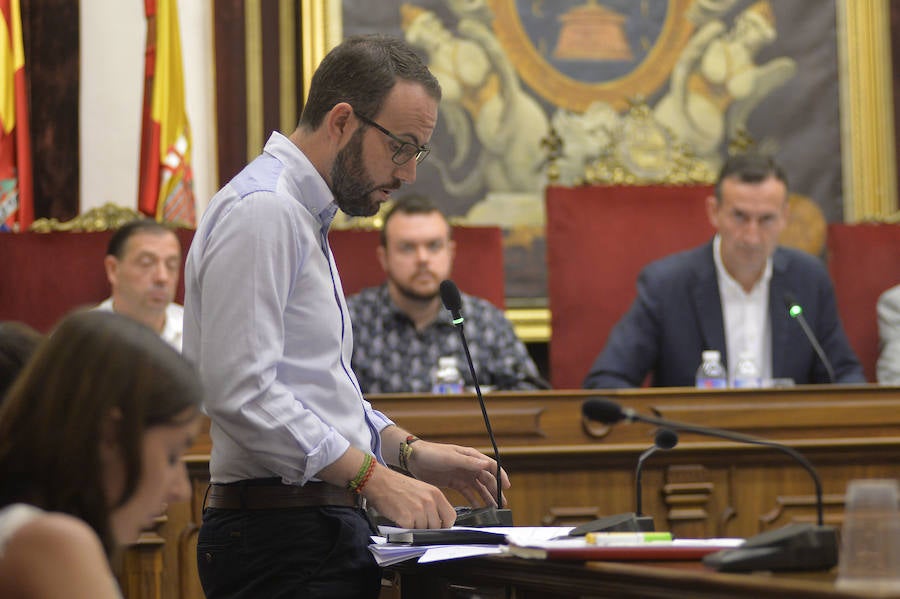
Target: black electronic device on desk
x: 482, y: 517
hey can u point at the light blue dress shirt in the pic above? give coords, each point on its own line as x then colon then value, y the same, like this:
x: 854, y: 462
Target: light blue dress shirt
x: 266, y: 323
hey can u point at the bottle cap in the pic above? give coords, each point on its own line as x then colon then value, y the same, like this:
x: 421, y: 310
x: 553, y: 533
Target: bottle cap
x: 447, y: 362
x: 710, y: 355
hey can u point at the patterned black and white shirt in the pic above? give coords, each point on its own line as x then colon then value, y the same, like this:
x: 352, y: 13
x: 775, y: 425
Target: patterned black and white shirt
x: 390, y: 356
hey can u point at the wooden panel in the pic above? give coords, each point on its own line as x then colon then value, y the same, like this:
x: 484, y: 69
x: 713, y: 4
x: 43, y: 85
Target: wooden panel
x: 565, y: 471
x: 537, y: 579
x: 512, y: 422
x: 742, y: 415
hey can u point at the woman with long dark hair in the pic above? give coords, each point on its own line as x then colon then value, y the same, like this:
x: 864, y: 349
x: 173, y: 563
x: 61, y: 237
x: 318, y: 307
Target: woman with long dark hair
x: 91, y: 439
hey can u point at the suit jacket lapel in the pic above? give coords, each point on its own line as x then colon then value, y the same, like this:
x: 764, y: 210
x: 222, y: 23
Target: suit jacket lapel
x: 778, y: 315
x: 708, y: 305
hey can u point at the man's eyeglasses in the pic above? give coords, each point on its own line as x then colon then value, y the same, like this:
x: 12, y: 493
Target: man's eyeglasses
x: 405, y: 151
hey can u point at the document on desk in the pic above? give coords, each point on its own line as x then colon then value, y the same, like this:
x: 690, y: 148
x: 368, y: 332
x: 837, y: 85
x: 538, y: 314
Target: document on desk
x: 387, y: 553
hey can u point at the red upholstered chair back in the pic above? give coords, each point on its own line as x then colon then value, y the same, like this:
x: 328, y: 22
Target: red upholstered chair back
x: 45, y: 275
x: 598, y: 239
x: 477, y: 270
x: 864, y: 261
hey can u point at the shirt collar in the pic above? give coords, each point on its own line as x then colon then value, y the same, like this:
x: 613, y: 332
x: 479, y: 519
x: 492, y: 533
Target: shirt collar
x: 725, y: 277
x: 308, y: 185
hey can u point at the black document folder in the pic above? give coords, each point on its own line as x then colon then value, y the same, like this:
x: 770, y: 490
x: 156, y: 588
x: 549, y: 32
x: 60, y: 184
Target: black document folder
x: 446, y: 536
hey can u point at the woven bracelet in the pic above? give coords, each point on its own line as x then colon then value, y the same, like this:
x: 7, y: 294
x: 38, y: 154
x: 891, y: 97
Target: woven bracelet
x: 368, y: 464
x: 365, y: 479
x: 406, y: 451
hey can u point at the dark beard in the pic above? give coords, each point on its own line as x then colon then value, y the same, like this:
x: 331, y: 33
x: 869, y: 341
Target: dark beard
x: 409, y: 294
x: 350, y: 183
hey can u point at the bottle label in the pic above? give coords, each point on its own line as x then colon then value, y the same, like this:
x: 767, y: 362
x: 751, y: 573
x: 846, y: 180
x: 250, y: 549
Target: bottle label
x: 712, y: 383
x: 447, y: 388
x: 748, y: 383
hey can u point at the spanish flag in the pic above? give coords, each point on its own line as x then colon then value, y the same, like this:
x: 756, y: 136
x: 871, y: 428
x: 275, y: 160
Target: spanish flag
x: 166, y: 184
x: 16, y: 185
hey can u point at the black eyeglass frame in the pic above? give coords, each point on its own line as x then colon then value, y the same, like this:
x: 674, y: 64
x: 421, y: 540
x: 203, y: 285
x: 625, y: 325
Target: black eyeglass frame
x: 420, y: 153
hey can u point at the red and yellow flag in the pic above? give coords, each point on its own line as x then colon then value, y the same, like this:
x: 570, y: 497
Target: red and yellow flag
x: 16, y: 184
x: 166, y: 185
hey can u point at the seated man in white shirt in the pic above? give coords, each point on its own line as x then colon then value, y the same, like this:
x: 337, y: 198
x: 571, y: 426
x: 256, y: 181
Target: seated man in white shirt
x: 142, y: 265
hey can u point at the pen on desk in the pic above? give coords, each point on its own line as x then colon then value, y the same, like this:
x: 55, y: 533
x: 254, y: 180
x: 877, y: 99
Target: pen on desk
x: 601, y: 538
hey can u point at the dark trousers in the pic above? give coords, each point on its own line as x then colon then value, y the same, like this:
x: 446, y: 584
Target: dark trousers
x: 287, y: 554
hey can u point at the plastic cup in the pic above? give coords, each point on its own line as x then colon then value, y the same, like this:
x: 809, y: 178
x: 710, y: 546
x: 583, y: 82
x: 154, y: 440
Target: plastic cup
x: 869, y: 558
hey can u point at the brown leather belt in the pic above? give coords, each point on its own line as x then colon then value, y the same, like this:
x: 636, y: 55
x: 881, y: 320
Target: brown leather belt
x: 278, y: 496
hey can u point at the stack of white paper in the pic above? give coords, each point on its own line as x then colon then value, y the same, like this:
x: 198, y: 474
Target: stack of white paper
x: 391, y: 553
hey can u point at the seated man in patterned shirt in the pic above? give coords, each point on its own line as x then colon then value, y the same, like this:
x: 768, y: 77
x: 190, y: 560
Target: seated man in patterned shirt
x: 400, y: 328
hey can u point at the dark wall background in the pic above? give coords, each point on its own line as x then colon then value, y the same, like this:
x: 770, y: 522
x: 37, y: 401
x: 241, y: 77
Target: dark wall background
x: 50, y: 39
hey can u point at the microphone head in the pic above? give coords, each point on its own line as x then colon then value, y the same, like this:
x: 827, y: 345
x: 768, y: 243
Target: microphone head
x: 450, y: 296
x: 666, y: 438
x: 602, y: 410
x: 794, y: 309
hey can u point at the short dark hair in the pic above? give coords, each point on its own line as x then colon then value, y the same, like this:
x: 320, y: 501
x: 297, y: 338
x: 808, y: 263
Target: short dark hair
x: 412, y: 204
x: 749, y: 167
x: 93, y: 364
x: 361, y: 71
x: 120, y: 238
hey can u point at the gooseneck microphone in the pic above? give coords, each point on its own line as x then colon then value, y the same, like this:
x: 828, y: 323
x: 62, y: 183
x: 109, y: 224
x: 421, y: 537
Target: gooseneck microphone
x: 794, y: 547
x: 634, y: 521
x: 796, y: 312
x: 609, y: 412
x: 487, y: 516
x: 664, y: 439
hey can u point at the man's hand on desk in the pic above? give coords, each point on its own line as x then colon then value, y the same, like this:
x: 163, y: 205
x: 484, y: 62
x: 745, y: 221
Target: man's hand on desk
x: 463, y: 469
x: 409, y: 502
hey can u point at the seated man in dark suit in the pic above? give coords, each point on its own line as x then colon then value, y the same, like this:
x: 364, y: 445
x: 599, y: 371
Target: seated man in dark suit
x: 729, y: 295
x: 401, y: 329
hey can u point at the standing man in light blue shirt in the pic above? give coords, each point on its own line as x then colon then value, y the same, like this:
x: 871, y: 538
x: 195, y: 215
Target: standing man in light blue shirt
x: 296, y: 448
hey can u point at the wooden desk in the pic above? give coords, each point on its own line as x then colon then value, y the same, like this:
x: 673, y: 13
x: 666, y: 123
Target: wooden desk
x: 501, y: 577
x: 566, y: 471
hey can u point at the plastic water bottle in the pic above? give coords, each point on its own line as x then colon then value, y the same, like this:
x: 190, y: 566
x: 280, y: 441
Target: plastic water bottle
x: 447, y: 378
x: 746, y: 373
x: 711, y: 374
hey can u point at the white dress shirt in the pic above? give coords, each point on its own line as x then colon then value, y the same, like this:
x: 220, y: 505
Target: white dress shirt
x: 172, y: 330
x: 748, y: 329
